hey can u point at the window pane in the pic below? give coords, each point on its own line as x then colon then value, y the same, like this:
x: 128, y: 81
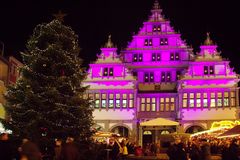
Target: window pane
x: 205, y: 70
x: 184, y: 103
x: 148, y: 100
x: 110, y: 103
x: 162, y: 100
x: 158, y: 57
x: 198, y: 95
x: 124, y: 96
x: 226, y: 102
x: 167, y: 107
x: 110, y: 71
x: 184, y: 95
x: 130, y: 103
x: 97, y: 103
x: 111, y: 96
x: 167, y: 100
x: 146, y: 77
x: 153, y: 107
x: 142, y: 107
x: 90, y: 95
x: 198, y: 102
x: 131, y: 96
x: 105, y: 72
x: 191, y: 95
x: 148, y: 107
x: 205, y: 102
x: 142, y: 100
x: 172, y: 106
x: 191, y: 103
x: 117, y: 103
x: 233, y: 94
x: 225, y: 94
x: 212, y: 95
x: 153, y: 100
x: 219, y: 102
x: 211, y: 69
x: 104, y: 96
x: 213, y: 104
x: 162, y: 107
x: 117, y: 96
x: 233, y: 102
x: 97, y: 96
x: 103, y: 103
x: 124, y: 103
x: 204, y: 95
x: 151, y: 77
x: 219, y: 95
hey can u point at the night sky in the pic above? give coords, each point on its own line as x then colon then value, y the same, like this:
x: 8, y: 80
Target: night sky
x: 93, y: 20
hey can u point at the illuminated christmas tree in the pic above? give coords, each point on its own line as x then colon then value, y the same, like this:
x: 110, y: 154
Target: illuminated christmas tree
x: 47, y: 99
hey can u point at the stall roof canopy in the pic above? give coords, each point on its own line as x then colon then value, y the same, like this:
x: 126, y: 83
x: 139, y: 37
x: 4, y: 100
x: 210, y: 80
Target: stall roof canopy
x: 235, y: 131
x: 159, y: 122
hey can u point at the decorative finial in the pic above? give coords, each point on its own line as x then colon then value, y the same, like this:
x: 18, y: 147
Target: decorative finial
x: 60, y: 16
x: 208, y: 41
x: 109, y: 43
x: 156, y: 5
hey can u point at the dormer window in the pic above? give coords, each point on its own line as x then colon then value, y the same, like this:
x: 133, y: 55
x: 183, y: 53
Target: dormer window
x: 157, y: 28
x: 108, y: 72
x: 163, y: 41
x: 137, y: 58
x: 178, y: 75
x: 163, y: 77
x: 105, y: 72
x: 149, y: 77
x: 148, y: 42
x: 211, y: 70
x: 208, y: 70
x: 140, y: 57
x: 177, y: 56
x: 174, y: 56
x: 154, y: 28
x: 168, y: 77
x: 156, y: 57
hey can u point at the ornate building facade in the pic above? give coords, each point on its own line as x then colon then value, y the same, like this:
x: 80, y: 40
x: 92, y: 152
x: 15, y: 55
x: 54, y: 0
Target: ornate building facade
x: 158, y: 76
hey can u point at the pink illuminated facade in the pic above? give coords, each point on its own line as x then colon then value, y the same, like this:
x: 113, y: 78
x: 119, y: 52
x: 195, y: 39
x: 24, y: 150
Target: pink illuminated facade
x: 158, y: 75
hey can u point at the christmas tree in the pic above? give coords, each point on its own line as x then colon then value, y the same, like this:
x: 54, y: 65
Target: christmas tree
x: 48, y: 98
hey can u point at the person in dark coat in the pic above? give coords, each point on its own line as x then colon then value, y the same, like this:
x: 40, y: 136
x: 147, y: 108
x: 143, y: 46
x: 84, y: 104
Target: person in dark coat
x: 181, y: 153
x: 5, y: 147
x: 30, y: 150
x: 233, y: 150
x: 171, y: 152
x: 194, y: 152
x: 205, y: 150
x: 69, y: 150
x: 225, y: 152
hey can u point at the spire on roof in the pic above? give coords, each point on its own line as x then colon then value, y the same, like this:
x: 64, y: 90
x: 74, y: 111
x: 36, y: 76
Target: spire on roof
x: 156, y: 5
x: 156, y: 12
x: 208, y: 41
x: 109, y: 43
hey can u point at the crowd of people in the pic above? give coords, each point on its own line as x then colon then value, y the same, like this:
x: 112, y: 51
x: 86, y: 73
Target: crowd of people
x: 196, y: 148
x: 28, y: 150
